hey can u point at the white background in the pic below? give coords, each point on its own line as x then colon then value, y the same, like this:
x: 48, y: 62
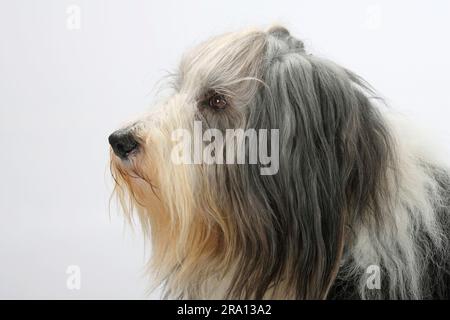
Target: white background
x: 63, y: 91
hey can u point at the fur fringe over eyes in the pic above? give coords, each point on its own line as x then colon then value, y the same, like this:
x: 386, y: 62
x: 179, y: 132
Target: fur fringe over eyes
x: 350, y: 192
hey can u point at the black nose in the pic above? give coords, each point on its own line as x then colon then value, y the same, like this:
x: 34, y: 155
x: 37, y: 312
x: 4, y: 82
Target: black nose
x: 123, y: 143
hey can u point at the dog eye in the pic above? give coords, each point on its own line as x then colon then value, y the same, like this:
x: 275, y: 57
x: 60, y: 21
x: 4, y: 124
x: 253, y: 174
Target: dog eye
x: 217, y: 101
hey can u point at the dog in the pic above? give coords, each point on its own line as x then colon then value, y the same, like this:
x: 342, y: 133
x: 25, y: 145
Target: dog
x: 353, y: 207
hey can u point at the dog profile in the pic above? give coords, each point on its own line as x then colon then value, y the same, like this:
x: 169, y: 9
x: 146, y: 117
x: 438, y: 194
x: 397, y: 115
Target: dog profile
x: 351, y: 190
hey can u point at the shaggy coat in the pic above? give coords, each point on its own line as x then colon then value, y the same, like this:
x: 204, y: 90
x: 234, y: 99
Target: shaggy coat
x: 353, y: 188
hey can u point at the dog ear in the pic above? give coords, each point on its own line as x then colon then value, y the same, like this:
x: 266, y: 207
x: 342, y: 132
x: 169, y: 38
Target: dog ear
x: 305, y: 196
x: 334, y: 152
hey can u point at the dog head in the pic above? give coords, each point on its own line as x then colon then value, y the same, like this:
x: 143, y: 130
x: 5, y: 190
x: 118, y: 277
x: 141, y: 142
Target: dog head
x: 263, y: 206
